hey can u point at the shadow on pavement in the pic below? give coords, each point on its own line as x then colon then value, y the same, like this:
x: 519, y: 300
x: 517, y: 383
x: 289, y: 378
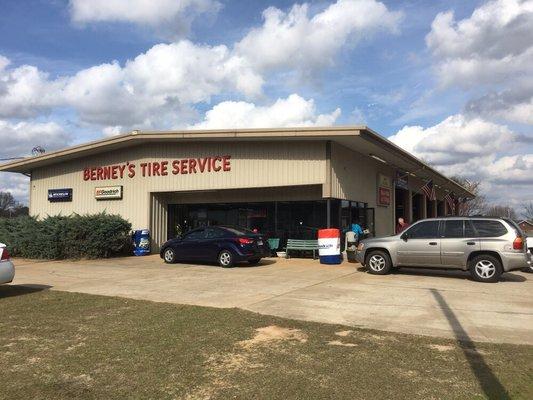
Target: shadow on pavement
x: 262, y: 263
x: 489, y: 383
x: 20, y: 290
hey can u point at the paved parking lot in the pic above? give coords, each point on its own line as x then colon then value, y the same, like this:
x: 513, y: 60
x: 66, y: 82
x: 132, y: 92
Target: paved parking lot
x: 428, y: 302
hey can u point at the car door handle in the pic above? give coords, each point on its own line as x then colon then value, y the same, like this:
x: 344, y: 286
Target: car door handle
x: 470, y: 243
x: 432, y: 243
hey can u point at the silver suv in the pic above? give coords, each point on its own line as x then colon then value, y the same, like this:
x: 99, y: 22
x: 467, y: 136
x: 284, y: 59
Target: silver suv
x: 485, y: 246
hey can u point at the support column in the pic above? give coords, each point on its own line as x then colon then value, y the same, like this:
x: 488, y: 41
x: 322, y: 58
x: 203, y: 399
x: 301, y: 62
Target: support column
x: 328, y: 212
x: 435, y: 208
x: 409, y: 207
x: 276, y: 217
x: 423, y: 205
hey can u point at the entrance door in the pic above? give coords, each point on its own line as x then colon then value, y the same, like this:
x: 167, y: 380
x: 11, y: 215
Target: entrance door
x: 370, y: 214
x: 400, y: 203
x: 420, y: 245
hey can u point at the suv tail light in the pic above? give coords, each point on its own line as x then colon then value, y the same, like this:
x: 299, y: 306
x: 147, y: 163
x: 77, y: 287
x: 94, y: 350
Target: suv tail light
x: 518, y: 243
x: 245, y: 241
x: 5, y: 255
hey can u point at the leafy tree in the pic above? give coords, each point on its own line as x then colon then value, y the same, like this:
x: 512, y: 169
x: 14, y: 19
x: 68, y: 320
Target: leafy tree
x: 7, y: 203
x: 9, y: 207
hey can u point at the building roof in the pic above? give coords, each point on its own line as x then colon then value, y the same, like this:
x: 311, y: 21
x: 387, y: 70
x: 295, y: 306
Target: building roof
x: 359, y: 138
x: 525, y: 221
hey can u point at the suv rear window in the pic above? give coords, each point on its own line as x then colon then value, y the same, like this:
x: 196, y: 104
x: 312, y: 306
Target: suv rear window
x: 517, y: 228
x: 487, y: 228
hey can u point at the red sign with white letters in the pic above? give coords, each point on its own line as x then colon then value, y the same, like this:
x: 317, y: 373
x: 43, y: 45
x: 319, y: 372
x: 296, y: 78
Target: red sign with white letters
x: 185, y: 166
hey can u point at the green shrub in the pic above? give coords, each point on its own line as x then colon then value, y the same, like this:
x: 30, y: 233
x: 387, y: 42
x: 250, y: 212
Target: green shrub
x: 59, y: 237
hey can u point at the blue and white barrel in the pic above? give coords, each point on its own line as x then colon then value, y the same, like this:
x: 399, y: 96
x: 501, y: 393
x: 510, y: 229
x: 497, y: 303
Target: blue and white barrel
x: 329, y: 246
x: 141, y: 242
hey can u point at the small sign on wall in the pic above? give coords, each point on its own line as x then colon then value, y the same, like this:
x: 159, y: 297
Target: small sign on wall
x: 402, y: 180
x: 384, y: 196
x: 57, y: 195
x: 384, y: 190
x: 108, y: 193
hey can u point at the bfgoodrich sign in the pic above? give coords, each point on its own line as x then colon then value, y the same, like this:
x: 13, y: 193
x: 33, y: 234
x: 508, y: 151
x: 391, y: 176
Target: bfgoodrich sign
x: 108, y: 193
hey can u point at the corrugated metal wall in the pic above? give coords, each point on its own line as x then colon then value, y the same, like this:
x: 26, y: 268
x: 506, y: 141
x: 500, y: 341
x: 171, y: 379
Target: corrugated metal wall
x: 354, y: 177
x: 253, y: 165
x: 158, y: 220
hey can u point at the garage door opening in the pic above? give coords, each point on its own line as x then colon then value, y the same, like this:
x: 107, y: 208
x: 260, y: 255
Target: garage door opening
x: 401, y: 200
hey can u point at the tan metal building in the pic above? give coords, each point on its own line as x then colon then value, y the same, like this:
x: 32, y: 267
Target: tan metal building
x: 284, y: 182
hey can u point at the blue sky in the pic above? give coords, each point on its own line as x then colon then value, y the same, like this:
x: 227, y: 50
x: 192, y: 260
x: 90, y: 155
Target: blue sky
x: 448, y: 80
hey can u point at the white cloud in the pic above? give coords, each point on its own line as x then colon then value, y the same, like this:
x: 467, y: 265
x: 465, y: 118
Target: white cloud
x: 18, y: 139
x: 16, y: 184
x: 292, y: 111
x: 147, y: 91
x: 167, y: 17
x: 490, y: 46
x: 158, y: 88
x: 293, y: 39
x: 513, y: 104
x: 157, y: 85
x: 455, y: 140
x: 25, y: 91
x: 476, y: 149
x: 515, y: 169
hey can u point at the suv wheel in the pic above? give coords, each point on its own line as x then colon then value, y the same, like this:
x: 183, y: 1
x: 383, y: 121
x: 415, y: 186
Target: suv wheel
x: 169, y: 255
x: 378, y: 263
x: 225, y: 259
x: 485, y: 268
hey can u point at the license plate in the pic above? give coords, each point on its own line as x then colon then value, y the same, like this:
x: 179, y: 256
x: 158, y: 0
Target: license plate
x: 259, y: 242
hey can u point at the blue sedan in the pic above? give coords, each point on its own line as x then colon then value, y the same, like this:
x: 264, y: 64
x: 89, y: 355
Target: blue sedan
x: 223, y: 244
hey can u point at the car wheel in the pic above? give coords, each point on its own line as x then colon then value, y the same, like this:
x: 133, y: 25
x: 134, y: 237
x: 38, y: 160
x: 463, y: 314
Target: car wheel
x: 378, y: 263
x: 485, y: 268
x: 169, y: 255
x: 225, y: 259
x: 254, y: 261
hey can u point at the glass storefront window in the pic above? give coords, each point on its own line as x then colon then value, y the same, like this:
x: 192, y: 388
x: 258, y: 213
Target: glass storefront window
x: 295, y: 219
x: 283, y: 219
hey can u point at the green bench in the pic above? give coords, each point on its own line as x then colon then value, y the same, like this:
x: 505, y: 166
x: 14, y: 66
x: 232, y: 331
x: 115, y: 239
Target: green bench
x: 298, y: 244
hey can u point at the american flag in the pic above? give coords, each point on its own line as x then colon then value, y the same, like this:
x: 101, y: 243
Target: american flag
x: 429, y: 190
x: 450, y: 200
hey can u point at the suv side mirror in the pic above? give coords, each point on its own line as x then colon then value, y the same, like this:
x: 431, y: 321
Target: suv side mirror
x: 404, y: 236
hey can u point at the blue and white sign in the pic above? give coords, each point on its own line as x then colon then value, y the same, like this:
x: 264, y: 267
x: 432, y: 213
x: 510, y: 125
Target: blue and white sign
x: 59, y: 195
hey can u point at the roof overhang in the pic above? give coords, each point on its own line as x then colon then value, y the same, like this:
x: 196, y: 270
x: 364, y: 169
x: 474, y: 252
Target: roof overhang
x: 358, y: 138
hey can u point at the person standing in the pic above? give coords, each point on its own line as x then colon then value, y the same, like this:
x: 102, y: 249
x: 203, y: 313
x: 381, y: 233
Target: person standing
x: 358, y: 231
x: 401, y: 226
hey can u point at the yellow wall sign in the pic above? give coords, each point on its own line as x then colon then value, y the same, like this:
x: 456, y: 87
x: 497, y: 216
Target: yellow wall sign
x: 384, y: 181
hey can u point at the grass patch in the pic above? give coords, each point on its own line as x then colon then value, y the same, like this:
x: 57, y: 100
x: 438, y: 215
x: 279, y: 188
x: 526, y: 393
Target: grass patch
x: 68, y: 345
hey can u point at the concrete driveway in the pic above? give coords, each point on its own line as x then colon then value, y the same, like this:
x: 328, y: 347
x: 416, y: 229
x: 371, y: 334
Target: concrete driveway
x: 426, y: 302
